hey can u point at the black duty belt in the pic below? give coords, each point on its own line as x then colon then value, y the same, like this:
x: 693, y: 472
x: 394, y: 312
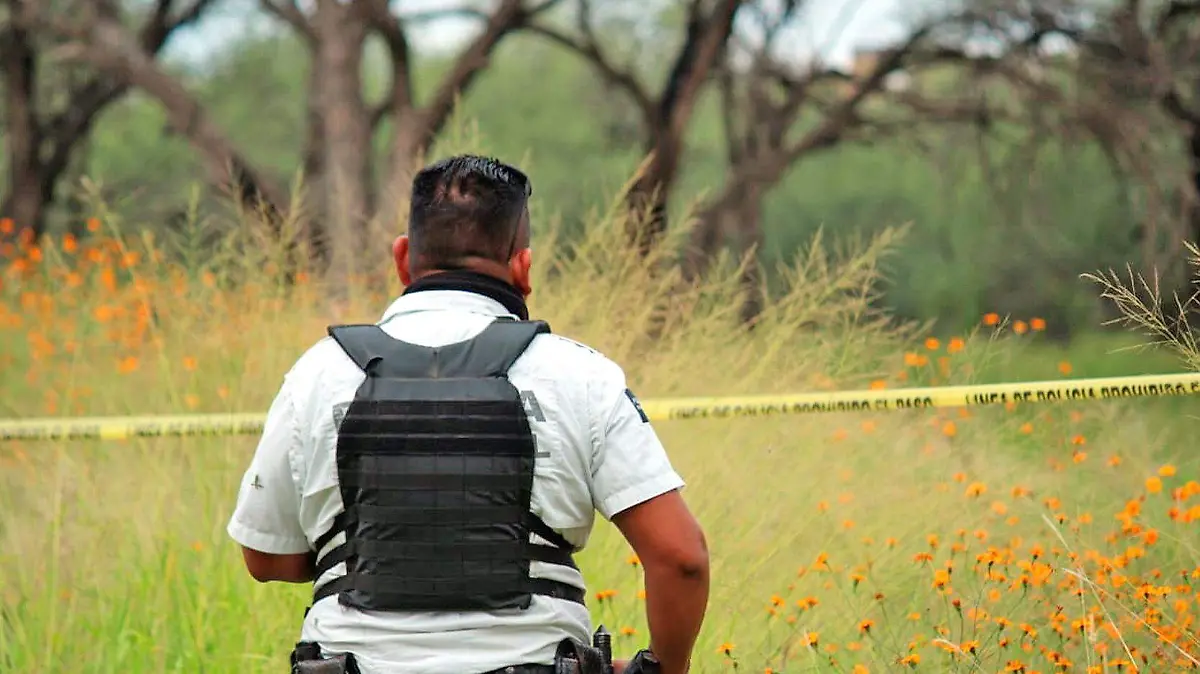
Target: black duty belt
x: 524, y: 669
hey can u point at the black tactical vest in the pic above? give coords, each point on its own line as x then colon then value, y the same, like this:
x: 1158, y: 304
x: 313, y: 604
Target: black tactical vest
x: 435, y: 464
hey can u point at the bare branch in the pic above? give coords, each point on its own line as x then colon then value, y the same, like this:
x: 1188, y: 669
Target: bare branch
x: 77, y: 117
x: 703, y: 46
x: 509, y: 16
x: 392, y: 31
x: 289, y: 12
x: 588, y: 50
x: 1173, y: 12
x: 109, y: 48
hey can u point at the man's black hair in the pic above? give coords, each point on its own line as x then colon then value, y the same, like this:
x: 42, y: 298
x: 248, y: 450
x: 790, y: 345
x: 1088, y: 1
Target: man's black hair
x: 466, y: 206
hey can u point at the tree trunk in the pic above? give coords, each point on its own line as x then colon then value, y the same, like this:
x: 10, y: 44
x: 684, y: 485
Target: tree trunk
x: 739, y: 215
x: 313, y: 219
x: 649, y: 196
x: 703, y: 47
x: 409, y: 143
x: 704, y: 241
x: 23, y: 203
x: 1194, y: 182
x: 747, y: 223
x: 346, y: 130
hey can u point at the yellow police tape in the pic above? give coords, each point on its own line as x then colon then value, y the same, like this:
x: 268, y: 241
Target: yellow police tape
x: 663, y: 409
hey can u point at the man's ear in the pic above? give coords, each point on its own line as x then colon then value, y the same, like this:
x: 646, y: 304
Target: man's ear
x: 400, y: 250
x: 519, y: 267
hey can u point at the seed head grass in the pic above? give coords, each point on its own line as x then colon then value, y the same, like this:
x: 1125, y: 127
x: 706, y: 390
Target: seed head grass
x: 1029, y: 538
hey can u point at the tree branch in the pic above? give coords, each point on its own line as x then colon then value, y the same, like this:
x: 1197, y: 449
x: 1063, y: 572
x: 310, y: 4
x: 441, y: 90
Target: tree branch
x: 507, y: 17
x: 510, y: 15
x: 108, y: 47
x: 702, y: 48
x: 86, y: 102
x: 289, y: 12
x: 589, y: 50
x: 392, y: 31
x: 18, y: 68
x: 1173, y: 12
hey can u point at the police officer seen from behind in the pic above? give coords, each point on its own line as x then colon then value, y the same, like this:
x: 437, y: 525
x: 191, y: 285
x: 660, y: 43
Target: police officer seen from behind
x: 432, y: 474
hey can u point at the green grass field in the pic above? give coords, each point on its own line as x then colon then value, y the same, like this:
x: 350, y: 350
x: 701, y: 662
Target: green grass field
x: 1041, y: 538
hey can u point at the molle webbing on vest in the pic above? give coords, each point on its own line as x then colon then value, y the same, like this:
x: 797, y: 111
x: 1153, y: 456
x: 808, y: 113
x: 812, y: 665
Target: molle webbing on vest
x: 435, y: 466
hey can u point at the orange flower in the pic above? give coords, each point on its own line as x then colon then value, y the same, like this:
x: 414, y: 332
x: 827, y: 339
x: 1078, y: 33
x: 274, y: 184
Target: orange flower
x: 955, y: 345
x: 127, y: 364
x: 991, y: 319
x: 1020, y: 327
x: 975, y: 489
x: 189, y: 363
x: 949, y: 429
x: 1166, y: 470
x: 93, y: 224
x: 1065, y: 368
x: 1038, y: 324
x: 866, y: 625
x: 932, y: 344
x: 6, y: 226
x: 1153, y: 485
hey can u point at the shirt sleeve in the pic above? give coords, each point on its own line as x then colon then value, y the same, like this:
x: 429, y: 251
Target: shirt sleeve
x: 267, y: 515
x: 629, y: 465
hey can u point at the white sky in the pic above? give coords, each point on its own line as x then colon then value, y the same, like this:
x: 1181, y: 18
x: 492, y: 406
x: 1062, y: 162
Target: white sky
x: 832, y: 28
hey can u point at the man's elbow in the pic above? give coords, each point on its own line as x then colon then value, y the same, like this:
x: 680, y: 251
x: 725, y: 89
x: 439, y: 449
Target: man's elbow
x: 690, y: 561
x: 265, y: 568
x: 693, y: 562
x: 259, y: 568
x: 259, y: 574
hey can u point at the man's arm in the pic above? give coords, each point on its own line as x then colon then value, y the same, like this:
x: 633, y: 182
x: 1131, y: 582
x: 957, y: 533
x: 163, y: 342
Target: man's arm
x: 266, y: 567
x: 674, y: 554
x: 266, y: 520
x: 636, y: 488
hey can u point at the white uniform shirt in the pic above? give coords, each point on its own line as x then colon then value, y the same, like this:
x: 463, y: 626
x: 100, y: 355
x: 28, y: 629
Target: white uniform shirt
x: 596, y: 453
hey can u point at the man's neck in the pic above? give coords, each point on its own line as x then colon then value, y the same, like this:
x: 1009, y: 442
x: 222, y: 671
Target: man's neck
x: 473, y: 281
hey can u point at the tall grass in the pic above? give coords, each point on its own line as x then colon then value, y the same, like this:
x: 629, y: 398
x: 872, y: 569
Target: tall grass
x: 1039, y: 539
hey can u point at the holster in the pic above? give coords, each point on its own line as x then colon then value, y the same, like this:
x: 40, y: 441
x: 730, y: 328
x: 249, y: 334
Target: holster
x: 643, y: 663
x: 306, y: 659
x: 576, y: 657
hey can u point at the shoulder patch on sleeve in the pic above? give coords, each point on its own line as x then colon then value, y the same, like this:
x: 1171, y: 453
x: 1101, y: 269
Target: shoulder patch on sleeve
x: 637, y: 406
x: 579, y: 345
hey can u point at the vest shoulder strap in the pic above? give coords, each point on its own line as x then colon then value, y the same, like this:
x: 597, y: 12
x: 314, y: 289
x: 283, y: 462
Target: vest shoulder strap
x: 489, y: 354
x: 492, y: 352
